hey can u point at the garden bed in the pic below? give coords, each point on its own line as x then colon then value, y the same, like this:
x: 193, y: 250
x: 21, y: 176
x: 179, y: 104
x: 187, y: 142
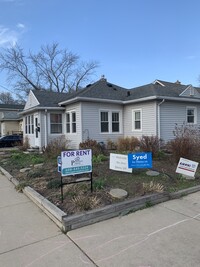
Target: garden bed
x: 45, y: 179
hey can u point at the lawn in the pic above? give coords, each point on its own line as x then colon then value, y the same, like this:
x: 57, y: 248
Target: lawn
x: 45, y: 179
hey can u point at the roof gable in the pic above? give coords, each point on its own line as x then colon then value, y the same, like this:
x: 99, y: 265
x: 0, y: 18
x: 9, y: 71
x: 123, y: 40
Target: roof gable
x: 190, y: 91
x: 31, y: 101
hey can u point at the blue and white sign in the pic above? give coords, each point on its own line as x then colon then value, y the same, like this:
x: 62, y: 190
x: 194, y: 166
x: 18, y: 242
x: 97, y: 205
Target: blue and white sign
x: 76, y: 162
x: 59, y: 163
x: 140, y: 160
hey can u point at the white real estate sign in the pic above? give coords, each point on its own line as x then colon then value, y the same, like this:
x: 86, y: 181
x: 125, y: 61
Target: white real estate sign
x: 187, y: 167
x: 119, y: 162
x: 76, y: 162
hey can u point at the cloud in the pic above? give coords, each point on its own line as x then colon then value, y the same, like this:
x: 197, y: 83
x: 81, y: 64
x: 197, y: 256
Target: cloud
x: 20, y: 26
x: 8, y: 37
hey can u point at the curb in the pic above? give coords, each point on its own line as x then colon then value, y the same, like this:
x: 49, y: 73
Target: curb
x: 67, y: 223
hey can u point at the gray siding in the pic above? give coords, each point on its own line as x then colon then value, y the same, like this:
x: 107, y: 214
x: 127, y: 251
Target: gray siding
x: 149, y: 122
x: 172, y: 113
x: 91, y: 121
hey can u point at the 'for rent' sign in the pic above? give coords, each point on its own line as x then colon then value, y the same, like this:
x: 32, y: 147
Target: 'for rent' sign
x: 76, y: 162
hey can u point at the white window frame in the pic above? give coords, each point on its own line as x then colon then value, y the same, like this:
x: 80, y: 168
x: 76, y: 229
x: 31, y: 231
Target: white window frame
x: 195, y: 115
x: 71, y: 123
x: 59, y: 123
x: 133, y: 119
x: 110, y: 121
x: 29, y: 124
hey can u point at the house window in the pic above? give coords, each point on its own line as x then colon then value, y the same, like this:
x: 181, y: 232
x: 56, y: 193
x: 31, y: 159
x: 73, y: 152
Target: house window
x: 115, y: 122
x: 29, y: 126
x: 104, y: 122
x: 137, y: 119
x: 68, y: 122
x: 56, y: 123
x: 71, y: 122
x: 191, y: 115
x: 110, y: 121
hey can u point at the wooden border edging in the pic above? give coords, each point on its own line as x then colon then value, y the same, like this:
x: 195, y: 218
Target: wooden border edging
x: 110, y: 211
x: 121, y: 208
x: 49, y: 208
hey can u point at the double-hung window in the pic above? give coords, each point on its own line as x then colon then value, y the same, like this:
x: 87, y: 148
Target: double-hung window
x: 71, y: 122
x: 104, y: 122
x: 110, y: 121
x: 115, y: 122
x: 29, y: 124
x: 55, y: 123
x: 191, y: 115
x: 137, y: 119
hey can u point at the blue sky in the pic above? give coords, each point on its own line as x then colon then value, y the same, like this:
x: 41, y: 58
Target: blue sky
x: 135, y: 41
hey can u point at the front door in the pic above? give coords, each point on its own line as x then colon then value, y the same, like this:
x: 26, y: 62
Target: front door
x: 37, y: 130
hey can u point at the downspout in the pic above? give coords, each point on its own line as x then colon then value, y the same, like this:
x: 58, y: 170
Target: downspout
x: 45, y: 128
x: 159, y: 131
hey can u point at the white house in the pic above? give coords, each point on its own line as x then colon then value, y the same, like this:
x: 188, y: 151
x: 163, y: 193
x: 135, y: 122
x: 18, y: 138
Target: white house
x: 103, y: 111
x: 10, y: 120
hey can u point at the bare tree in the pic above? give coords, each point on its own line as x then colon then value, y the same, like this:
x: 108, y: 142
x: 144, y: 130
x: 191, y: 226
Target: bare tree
x: 6, y: 98
x: 51, y: 68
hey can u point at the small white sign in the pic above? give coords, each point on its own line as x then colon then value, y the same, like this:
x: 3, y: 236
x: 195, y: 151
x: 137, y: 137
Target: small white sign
x: 119, y: 162
x: 187, y: 167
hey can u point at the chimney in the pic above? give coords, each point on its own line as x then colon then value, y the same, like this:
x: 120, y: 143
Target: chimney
x: 178, y: 82
x: 103, y: 78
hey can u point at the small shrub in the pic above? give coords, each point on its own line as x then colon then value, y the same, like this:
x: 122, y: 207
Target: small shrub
x: 152, y: 187
x: 56, y: 146
x: 127, y: 143
x: 150, y: 144
x: 53, y: 184
x: 99, y: 158
x: 84, y: 202
x: 186, y: 143
x: 21, y: 186
x: 98, y: 184
x: 111, y: 145
x: 25, y: 144
x: 35, y: 173
x: 96, y: 147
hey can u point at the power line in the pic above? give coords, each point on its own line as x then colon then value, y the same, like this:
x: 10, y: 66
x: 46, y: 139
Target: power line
x: 6, y: 88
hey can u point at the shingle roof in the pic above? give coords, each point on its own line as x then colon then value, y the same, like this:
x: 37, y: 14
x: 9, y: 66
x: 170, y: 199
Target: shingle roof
x: 10, y: 115
x: 108, y: 91
x: 11, y: 106
x: 50, y: 99
x: 103, y: 90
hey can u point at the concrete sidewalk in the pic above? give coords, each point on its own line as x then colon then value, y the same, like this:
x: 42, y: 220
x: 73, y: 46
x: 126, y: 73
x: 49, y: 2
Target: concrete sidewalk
x: 29, y: 238
x: 166, y: 235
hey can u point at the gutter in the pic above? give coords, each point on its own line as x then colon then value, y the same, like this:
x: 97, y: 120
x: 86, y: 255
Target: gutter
x: 40, y: 108
x: 88, y: 99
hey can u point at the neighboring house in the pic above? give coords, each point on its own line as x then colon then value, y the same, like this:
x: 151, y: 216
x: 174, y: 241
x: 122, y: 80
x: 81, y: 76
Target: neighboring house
x: 10, y: 120
x: 103, y: 111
